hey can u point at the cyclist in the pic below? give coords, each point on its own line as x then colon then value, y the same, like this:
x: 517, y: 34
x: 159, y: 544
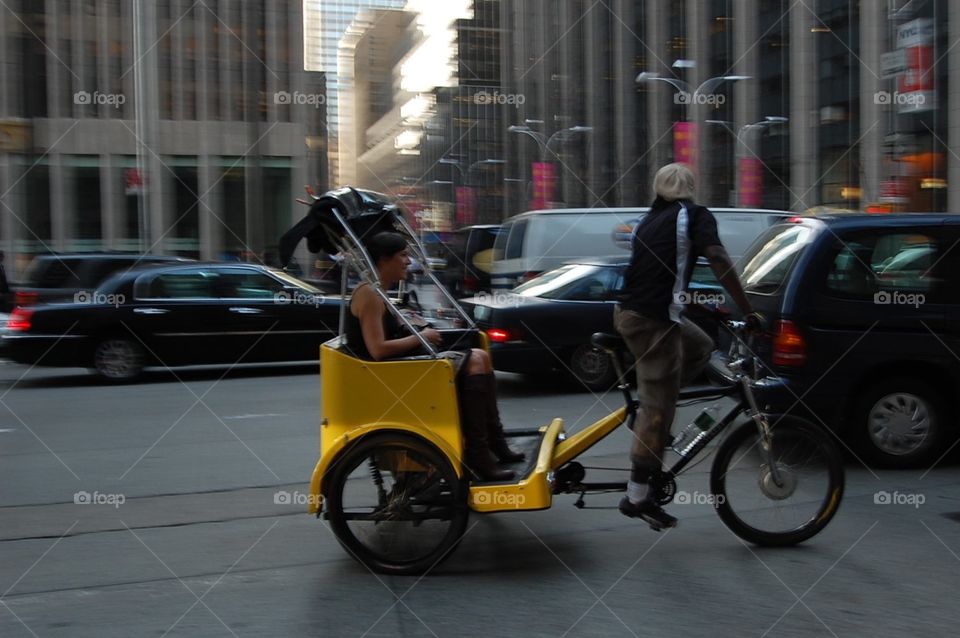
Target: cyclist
x: 669, y: 349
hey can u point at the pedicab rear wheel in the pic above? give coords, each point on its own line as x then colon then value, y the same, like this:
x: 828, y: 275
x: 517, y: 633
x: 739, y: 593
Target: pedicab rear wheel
x: 396, y: 504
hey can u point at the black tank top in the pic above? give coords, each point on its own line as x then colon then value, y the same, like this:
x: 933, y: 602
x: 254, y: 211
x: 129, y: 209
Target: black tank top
x: 355, y: 343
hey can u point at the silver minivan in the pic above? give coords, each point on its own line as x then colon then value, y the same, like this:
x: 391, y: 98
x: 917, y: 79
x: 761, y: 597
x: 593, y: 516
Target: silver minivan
x: 536, y: 241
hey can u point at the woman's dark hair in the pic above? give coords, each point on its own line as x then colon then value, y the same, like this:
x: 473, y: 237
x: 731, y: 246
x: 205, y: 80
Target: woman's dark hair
x: 385, y: 245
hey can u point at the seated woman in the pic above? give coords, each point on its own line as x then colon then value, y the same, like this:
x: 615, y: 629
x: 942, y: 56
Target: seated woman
x: 374, y: 333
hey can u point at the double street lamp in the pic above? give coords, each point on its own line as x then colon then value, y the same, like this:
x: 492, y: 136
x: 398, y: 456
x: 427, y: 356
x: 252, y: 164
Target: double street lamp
x: 747, y: 157
x: 545, y: 174
x: 464, y: 199
x: 690, y: 97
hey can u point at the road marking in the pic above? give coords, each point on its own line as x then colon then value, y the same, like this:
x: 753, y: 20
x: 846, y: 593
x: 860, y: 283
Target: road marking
x: 2, y: 430
x: 253, y: 416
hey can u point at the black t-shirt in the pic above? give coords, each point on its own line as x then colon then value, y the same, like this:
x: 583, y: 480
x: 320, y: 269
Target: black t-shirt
x: 652, y: 283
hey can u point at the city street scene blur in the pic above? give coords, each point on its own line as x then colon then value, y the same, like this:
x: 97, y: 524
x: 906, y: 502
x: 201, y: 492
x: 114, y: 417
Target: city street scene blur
x: 479, y: 317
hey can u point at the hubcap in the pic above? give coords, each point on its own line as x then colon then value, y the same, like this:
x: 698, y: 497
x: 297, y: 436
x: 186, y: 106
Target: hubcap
x: 769, y: 486
x: 117, y: 359
x: 899, y: 423
x: 590, y: 364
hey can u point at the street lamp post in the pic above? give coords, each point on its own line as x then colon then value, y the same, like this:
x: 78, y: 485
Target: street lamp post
x: 547, y: 175
x: 749, y: 173
x: 747, y: 156
x: 690, y: 97
x: 464, y: 199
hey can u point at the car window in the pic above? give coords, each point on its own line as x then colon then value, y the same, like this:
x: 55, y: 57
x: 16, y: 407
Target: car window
x: 771, y: 258
x: 515, y: 240
x: 500, y: 245
x: 871, y: 264
x: 52, y: 273
x: 594, y: 286
x: 181, y: 284
x: 579, y: 282
x: 246, y: 284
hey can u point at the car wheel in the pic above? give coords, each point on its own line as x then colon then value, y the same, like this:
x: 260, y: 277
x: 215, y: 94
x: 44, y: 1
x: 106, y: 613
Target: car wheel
x: 592, y: 367
x: 898, y: 423
x: 118, y: 359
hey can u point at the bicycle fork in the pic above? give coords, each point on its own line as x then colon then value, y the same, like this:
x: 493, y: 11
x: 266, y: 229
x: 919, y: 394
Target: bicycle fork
x: 763, y: 426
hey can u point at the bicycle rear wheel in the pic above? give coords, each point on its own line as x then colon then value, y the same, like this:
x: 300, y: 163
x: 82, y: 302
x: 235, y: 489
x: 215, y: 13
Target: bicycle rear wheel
x: 784, y: 506
x: 396, y: 504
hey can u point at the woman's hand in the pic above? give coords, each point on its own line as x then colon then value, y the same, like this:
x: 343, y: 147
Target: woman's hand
x: 432, y: 335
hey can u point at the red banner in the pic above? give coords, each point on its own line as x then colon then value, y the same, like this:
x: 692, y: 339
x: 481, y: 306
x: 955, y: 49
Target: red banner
x: 751, y: 182
x: 685, y: 142
x: 544, y: 184
x: 466, y: 206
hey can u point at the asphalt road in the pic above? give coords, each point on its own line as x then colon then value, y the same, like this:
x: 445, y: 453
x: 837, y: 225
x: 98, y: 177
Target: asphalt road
x: 185, y: 537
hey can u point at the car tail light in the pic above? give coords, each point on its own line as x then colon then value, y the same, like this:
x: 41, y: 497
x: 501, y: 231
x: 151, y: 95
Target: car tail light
x: 19, y: 320
x: 789, y: 347
x: 499, y: 335
x: 527, y: 276
x: 25, y: 298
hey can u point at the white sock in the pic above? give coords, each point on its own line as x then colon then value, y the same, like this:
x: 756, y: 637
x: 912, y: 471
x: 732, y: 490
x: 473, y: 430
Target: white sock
x: 636, y: 492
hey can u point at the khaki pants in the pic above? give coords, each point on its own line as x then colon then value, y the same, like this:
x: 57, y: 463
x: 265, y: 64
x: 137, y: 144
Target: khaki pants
x: 668, y: 356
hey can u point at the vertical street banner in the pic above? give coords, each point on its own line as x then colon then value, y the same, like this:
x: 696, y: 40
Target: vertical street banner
x: 544, y: 184
x: 466, y: 206
x: 685, y: 142
x: 751, y: 182
x: 916, y: 85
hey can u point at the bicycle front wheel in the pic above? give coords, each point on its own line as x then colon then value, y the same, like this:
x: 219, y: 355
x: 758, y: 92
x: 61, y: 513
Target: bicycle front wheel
x: 782, y: 496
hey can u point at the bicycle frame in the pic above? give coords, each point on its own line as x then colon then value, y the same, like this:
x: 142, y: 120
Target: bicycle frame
x: 740, y: 382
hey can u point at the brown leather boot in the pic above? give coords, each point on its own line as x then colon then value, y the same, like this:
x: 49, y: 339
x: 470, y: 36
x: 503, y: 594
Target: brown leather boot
x: 477, y: 457
x: 495, y: 436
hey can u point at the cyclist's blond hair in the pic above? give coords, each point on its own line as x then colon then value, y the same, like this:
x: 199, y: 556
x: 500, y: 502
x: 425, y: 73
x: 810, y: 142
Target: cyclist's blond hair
x: 673, y: 182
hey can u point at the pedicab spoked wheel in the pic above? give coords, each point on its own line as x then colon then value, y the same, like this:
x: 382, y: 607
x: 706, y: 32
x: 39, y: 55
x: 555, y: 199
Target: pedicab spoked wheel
x: 396, y: 504
x: 783, y: 506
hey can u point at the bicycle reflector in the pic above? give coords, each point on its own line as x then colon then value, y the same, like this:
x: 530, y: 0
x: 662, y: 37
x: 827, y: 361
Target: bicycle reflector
x: 789, y: 347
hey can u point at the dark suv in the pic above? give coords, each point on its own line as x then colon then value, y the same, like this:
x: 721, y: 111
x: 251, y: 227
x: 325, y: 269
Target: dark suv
x: 60, y: 276
x: 469, y: 255
x: 866, y: 311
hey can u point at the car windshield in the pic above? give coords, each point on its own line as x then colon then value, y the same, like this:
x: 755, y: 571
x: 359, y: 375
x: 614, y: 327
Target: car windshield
x: 573, y: 281
x: 770, y: 259
x: 293, y: 281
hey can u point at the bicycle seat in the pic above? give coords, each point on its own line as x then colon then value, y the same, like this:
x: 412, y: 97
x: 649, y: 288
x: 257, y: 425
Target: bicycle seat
x: 606, y: 341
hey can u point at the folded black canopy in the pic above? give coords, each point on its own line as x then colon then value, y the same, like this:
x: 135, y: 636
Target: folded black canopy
x: 366, y: 212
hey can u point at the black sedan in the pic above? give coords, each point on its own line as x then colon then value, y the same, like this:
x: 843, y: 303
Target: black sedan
x: 177, y: 315
x: 545, y: 324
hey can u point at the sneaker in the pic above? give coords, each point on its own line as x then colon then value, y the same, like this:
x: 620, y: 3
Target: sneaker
x: 649, y: 511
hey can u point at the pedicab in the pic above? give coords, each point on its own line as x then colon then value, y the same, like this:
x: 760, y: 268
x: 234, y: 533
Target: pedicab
x: 390, y: 480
